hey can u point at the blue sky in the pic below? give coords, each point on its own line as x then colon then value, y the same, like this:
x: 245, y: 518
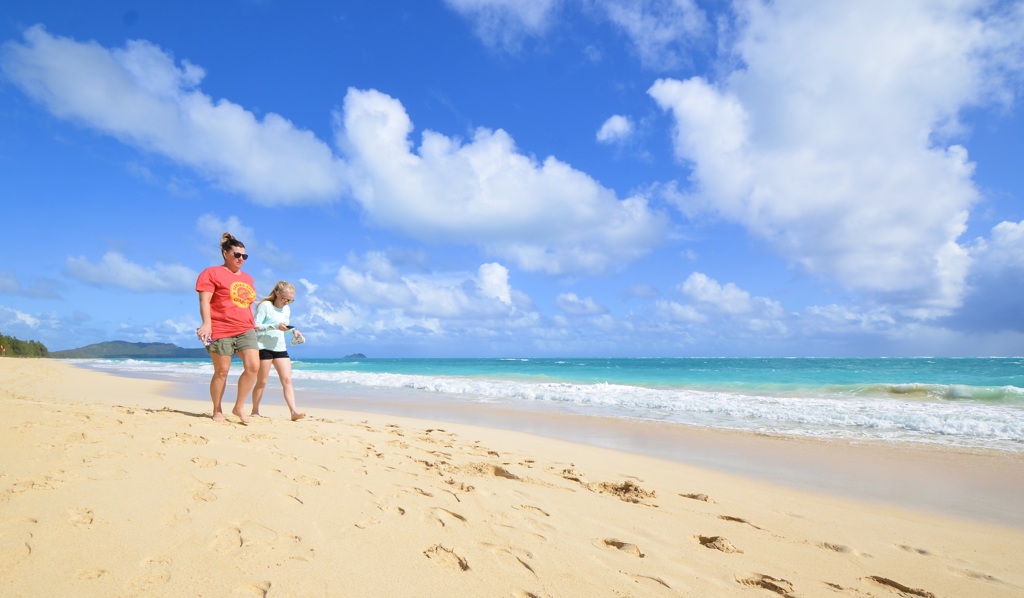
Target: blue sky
x: 522, y: 177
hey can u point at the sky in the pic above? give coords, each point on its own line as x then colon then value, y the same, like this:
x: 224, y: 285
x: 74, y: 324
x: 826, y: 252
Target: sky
x: 522, y: 178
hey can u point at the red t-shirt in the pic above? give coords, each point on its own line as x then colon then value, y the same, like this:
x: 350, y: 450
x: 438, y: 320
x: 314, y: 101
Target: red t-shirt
x: 230, y: 314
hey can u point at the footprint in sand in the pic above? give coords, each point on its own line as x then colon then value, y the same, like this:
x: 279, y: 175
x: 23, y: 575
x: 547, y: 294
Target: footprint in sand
x: 15, y: 545
x: 700, y: 497
x: 520, y: 556
x: 978, y: 575
x: 368, y: 523
x: 767, y: 582
x: 253, y: 538
x: 626, y: 491
x: 443, y: 516
x: 718, y: 543
x: 737, y: 520
x: 626, y: 547
x: 920, y: 551
x: 488, y: 470
x: 90, y: 573
x: 656, y: 580
x: 155, y: 572
x: 204, y: 463
x: 80, y: 516
x: 533, y: 509
x: 902, y: 589
x: 41, y: 483
x: 205, y: 494
x: 227, y: 540
x: 446, y: 557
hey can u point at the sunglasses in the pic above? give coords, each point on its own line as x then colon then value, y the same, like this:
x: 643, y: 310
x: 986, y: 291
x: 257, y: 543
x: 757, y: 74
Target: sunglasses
x: 244, y: 256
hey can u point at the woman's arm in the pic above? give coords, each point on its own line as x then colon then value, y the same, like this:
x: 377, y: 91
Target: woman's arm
x: 205, y: 330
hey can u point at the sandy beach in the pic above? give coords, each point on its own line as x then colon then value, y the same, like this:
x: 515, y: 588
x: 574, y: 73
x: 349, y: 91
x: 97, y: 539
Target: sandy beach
x: 113, y: 486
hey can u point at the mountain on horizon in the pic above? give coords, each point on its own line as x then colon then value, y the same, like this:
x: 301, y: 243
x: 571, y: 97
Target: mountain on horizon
x: 124, y: 349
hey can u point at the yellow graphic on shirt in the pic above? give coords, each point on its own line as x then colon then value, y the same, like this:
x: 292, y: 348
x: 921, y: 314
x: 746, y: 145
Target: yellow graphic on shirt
x: 242, y: 294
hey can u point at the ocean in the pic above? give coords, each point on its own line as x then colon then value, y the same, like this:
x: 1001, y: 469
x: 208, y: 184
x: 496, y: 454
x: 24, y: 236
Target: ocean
x: 970, y: 403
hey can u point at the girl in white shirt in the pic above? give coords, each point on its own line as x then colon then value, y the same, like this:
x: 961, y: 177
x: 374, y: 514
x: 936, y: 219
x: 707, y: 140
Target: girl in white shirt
x: 272, y: 315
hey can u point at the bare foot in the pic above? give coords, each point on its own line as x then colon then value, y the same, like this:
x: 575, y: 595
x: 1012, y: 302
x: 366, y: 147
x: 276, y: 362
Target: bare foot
x: 218, y: 417
x: 298, y: 416
x: 241, y: 416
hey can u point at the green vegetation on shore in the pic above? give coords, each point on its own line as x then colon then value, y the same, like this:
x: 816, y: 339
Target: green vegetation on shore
x: 15, y: 347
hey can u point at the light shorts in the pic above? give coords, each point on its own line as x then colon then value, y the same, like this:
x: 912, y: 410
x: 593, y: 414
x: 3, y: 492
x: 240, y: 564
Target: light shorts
x: 233, y: 344
x: 268, y: 355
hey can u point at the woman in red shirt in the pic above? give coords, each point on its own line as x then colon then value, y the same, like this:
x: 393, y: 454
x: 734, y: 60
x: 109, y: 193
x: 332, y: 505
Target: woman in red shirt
x: 225, y: 294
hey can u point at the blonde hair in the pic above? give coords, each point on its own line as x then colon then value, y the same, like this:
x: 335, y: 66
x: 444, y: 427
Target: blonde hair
x: 279, y: 289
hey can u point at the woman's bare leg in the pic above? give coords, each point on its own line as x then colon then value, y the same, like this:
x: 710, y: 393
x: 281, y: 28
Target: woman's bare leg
x: 219, y: 381
x: 251, y: 364
x: 261, y: 384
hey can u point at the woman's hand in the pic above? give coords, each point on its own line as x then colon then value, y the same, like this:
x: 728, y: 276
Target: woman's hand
x: 204, y: 332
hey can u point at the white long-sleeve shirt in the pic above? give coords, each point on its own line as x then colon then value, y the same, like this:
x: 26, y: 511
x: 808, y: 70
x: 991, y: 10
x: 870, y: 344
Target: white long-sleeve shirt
x: 268, y: 318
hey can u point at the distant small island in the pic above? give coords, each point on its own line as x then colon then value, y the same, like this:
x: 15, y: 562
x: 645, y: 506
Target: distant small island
x: 355, y: 356
x: 126, y: 350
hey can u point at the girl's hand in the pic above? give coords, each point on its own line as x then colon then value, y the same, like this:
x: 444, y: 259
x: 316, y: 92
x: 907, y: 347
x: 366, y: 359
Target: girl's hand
x: 282, y: 327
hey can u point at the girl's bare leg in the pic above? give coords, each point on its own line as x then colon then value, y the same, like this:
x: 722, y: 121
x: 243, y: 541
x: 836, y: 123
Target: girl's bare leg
x: 284, y: 372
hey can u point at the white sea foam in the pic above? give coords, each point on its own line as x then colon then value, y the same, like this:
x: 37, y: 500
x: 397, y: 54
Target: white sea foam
x: 889, y: 417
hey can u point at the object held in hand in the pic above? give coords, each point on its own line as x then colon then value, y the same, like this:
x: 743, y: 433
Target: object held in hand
x: 298, y: 339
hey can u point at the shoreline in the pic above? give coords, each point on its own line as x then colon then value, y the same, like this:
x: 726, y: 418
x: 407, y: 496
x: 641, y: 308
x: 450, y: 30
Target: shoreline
x: 984, y: 486
x: 117, y: 485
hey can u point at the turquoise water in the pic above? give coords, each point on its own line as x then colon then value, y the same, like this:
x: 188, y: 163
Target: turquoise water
x: 966, y: 402
x: 996, y: 379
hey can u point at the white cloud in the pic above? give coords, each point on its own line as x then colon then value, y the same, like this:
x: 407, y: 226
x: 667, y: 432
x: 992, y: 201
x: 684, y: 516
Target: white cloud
x: 659, y: 29
x: 213, y: 227
x: 379, y: 285
x: 10, y: 317
x: 1003, y: 251
x: 542, y: 216
x: 492, y: 281
x: 573, y: 305
x: 829, y: 142
x: 504, y: 23
x: 673, y: 311
x: 710, y: 296
x: 617, y: 128
x: 116, y: 271
x: 140, y: 96
x: 727, y: 298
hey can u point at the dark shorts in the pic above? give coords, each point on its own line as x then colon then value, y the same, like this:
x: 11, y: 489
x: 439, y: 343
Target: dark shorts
x: 233, y: 344
x: 267, y: 355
